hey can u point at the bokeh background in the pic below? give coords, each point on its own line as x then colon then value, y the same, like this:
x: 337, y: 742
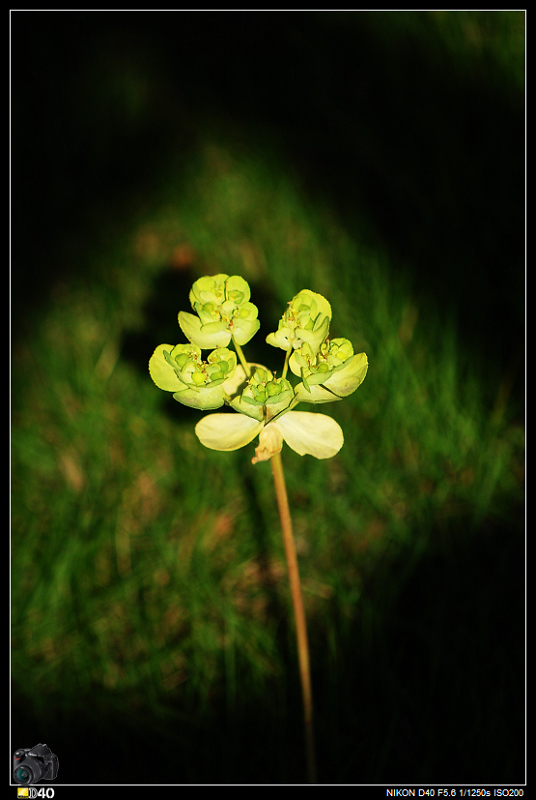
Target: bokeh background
x: 377, y: 158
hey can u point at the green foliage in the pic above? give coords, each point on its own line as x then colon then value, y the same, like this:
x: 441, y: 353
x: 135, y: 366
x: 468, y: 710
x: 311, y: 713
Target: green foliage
x: 135, y: 552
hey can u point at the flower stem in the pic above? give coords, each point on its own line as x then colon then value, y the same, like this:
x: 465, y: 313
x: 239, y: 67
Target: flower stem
x: 299, y: 614
x: 241, y: 357
x: 285, y: 366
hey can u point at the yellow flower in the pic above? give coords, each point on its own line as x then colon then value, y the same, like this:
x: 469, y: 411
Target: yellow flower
x: 328, y: 368
x: 330, y: 374
x: 194, y: 382
x: 306, y: 319
x: 224, y: 312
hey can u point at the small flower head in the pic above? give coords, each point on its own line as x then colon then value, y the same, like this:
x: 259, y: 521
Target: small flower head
x: 223, y: 312
x: 265, y: 396
x: 306, y: 320
x: 330, y: 374
x: 194, y: 382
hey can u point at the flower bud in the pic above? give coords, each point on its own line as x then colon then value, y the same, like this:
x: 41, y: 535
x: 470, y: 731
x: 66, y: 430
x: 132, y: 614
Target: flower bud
x: 270, y: 443
x: 265, y: 396
x: 335, y: 372
x: 224, y: 311
x: 305, y: 321
x: 316, y: 367
x: 195, y: 383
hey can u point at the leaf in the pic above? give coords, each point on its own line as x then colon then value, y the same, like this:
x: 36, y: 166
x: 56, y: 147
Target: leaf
x: 237, y: 289
x: 346, y: 380
x: 227, y: 431
x: 162, y: 373
x: 245, y: 329
x: 236, y: 382
x: 218, y: 335
x: 311, y: 434
x: 315, y: 394
x: 204, y: 398
x: 322, y: 305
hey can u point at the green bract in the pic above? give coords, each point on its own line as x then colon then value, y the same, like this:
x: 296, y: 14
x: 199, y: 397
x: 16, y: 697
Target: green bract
x: 265, y: 396
x: 330, y: 374
x: 194, y: 382
x: 307, y: 434
x: 224, y: 312
x: 328, y: 370
x: 306, y: 320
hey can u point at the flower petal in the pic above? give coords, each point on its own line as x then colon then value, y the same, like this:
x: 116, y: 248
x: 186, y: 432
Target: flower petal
x: 340, y: 384
x: 315, y: 394
x: 281, y: 338
x: 227, y: 431
x: 346, y: 380
x: 237, y: 289
x: 208, y: 288
x: 306, y: 320
x: 232, y: 385
x: 162, y: 372
x: 322, y: 305
x: 245, y: 329
x: 203, y: 398
x: 312, y: 434
x: 217, y: 336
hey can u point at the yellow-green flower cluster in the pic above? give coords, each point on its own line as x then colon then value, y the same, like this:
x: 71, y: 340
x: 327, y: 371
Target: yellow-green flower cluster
x: 194, y: 382
x: 264, y: 396
x: 223, y: 312
x: 328, y: 370
x: 305, y: 321
x: 333, y: 372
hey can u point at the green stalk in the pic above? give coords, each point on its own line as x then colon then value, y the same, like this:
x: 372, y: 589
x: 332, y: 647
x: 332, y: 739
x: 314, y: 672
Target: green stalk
x: 299, y: 613
x: 285, y: 366
x: 241, y: 357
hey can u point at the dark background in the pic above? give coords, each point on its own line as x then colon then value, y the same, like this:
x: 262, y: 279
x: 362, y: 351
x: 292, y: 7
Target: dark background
x: 422, y: 151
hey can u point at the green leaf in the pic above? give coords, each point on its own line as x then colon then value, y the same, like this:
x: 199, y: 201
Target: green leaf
x: 311, y: 434
x: 244, y: 329
x: 315, y: 394
x: 227, y: 431
x: 347, y: 379
x: 204, y: 398
x: 218, y: 336
x: 163, y: 374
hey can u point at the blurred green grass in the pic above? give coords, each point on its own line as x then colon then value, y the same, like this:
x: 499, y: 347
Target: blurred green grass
x: 149, y: 596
